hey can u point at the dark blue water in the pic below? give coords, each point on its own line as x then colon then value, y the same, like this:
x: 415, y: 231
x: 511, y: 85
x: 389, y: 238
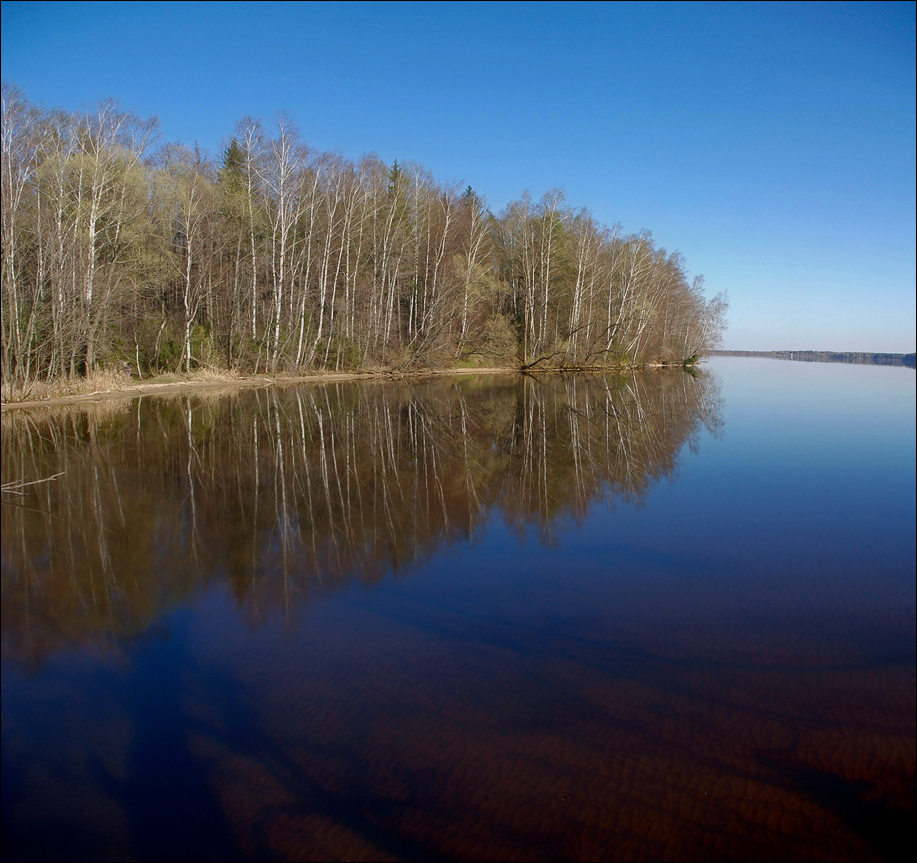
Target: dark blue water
x: 564, y: 618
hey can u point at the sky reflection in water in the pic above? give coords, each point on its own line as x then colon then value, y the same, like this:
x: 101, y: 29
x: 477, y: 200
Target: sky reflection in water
x: 466, y: 620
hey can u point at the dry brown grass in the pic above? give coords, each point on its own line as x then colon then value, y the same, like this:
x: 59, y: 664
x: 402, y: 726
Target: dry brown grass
x: 105, y: 385
x: 105, y: 381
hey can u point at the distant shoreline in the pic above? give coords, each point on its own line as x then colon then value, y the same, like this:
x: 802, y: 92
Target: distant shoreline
x: 855, y: 357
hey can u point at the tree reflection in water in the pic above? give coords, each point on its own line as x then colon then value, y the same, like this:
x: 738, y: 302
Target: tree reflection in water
x: 283, y: 489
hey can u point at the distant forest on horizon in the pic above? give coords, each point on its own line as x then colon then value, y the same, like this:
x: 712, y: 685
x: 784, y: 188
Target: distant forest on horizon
x: 863, y: 358
x: 276, y: 257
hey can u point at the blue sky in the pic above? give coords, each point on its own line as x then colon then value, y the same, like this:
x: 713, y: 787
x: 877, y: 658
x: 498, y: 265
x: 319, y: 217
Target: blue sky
x: 772, y: 144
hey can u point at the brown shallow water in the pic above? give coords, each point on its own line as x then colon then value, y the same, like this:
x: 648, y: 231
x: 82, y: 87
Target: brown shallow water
x: 465, y: 620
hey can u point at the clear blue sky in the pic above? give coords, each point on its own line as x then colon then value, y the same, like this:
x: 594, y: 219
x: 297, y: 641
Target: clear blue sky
x: 773, y: 145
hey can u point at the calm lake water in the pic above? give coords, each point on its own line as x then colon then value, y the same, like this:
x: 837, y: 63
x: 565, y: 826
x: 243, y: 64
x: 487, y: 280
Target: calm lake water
x: 654, y: 617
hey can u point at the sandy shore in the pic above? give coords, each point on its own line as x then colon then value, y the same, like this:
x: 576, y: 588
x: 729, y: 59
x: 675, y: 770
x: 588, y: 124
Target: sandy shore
x: 141, y: 388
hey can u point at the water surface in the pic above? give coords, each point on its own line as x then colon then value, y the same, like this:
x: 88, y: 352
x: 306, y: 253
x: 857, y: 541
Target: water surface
x: 576, y: 618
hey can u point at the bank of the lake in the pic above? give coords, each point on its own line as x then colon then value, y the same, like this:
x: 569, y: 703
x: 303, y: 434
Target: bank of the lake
x: 122, y: 386
x: 112, y: 386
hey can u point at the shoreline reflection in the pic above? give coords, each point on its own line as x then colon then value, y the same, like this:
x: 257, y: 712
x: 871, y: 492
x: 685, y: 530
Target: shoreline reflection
x: 285, y: 490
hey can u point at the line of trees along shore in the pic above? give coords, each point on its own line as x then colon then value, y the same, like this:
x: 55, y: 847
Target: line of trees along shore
x: 278, y: 257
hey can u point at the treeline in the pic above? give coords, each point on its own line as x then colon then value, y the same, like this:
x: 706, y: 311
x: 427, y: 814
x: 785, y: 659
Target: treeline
x: 860, y: 358
x: 278, y: 257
